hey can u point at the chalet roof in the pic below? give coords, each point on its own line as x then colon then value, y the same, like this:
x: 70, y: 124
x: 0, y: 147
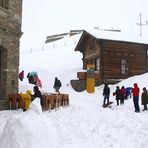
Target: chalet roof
x: 114, y: 35
x: 118, y: 35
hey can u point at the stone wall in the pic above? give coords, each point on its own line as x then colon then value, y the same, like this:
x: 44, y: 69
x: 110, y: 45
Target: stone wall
x: 10, y: 33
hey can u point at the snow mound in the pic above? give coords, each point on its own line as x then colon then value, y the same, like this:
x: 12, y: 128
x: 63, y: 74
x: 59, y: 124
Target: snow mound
x: 35, y: 106
x: 30, y: 129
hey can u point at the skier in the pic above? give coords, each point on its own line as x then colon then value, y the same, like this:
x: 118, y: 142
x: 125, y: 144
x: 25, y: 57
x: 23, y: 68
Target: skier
x: 57, y: 85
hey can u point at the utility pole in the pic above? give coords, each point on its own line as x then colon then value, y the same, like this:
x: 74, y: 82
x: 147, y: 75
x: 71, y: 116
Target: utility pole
x: 141, y: 24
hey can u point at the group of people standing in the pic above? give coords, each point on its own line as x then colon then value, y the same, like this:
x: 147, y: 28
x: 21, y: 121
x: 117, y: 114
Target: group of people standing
x: 123, y: 93
x: 33, y: 79
x: 37, y: 93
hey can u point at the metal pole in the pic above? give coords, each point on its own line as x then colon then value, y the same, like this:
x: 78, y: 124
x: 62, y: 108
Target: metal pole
x: 141, y: 24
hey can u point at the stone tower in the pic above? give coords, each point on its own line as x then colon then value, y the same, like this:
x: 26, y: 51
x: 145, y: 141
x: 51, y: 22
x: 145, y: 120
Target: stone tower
x: 10, y: 33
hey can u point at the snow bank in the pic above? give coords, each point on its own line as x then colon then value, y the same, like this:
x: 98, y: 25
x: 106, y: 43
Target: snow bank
x: 35, y: 106
x: 30, y: 129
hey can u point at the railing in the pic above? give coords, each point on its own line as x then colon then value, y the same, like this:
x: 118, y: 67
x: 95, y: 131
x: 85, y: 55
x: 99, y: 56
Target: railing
x: 54, y: 101
x: 50, y: 101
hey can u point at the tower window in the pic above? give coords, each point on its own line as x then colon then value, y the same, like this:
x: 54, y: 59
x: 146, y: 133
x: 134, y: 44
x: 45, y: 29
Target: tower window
x: 4, y: 4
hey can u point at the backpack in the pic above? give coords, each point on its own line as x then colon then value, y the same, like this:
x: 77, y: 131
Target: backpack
x: 59, y: 83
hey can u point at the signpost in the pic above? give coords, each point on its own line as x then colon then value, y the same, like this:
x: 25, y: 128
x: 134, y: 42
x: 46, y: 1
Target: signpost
x: 90, y: 81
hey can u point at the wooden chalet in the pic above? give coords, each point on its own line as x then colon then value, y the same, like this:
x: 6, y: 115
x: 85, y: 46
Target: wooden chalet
x: 114, y: 57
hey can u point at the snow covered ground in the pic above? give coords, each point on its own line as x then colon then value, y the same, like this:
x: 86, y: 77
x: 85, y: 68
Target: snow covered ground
x: 84, y: 123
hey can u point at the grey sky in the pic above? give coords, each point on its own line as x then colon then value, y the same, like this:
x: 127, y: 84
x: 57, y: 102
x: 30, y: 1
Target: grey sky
x: 47, y: 17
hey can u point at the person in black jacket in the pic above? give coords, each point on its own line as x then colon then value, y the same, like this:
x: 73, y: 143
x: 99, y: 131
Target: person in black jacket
x: 57, y: 85
x: 37, y: 94
x: 117, y: 94
x: 106, y: 93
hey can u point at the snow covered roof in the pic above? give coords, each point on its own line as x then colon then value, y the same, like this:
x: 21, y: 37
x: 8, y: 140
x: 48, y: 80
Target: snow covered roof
x: 118, y: 36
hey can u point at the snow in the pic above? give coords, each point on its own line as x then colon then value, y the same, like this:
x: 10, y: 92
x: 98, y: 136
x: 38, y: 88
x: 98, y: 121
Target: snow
x: 22, y: 130
x: 82, y: 124
x: 118, y: 36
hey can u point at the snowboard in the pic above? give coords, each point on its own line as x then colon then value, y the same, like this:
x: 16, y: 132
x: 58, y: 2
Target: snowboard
x: 107, y: 104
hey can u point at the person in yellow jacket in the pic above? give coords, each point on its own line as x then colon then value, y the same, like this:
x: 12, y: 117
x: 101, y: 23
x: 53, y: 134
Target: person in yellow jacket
x: 26, y: 99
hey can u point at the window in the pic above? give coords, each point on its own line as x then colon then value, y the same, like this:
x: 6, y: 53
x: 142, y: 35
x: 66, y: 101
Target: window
x: 147, y: 64
x: 4, y: 4
x: 98, y: 64
x: 124, y: 66
x: 90, y: 62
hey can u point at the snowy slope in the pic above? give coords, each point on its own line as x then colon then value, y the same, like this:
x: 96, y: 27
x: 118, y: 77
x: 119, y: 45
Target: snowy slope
x: 84, y: 124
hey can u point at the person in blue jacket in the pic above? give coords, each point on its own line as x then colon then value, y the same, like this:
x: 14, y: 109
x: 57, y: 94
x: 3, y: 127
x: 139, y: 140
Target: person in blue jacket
x: 128, y: 92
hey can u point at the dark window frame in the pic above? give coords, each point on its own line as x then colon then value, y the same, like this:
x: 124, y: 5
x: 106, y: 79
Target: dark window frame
x: 124, y: 66
x: 4, y: 4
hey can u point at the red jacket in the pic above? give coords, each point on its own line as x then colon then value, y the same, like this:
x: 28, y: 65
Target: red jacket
x: 135, y: 90
x: 21, y: 75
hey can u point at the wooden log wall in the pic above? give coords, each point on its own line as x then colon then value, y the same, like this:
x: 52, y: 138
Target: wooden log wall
x: 113, y: 52
x: 91, y: 52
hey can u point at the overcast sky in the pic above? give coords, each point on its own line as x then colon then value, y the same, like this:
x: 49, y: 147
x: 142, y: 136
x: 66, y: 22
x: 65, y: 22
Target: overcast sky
x: 41, y: 18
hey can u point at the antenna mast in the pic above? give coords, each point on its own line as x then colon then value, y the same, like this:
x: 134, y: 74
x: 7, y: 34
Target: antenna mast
x: 141, y: 24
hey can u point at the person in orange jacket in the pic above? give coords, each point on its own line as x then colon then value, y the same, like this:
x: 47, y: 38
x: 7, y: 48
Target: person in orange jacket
x: 26, y: 100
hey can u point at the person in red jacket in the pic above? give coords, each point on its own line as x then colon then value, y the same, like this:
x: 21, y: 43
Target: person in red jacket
x: 135, y: 91
x: 122, y: 92
x: 21, y: 75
